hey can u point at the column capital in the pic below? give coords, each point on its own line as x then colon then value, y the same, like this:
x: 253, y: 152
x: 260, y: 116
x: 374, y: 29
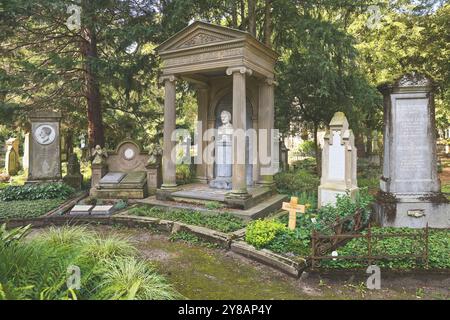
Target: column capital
x: 170, y: 77
x: 270, y: 81
x: 241, y: 69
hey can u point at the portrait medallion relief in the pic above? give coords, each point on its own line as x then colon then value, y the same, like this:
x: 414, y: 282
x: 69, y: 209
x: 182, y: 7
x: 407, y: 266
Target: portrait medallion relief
x: 45, y: 134
x: 129, y: 154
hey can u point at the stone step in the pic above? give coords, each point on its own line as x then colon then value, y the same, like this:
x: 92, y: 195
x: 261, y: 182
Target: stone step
x: 263, y: 208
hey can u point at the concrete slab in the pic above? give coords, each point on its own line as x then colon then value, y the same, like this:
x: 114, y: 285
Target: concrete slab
x: 81, y: 210
x: 102, y: 210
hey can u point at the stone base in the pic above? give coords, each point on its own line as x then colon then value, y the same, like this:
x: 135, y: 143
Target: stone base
x: 36, y: 181
x: 74, y: 181
x: 327, y: 194
x: 413, y: 213
x: 119, y: 193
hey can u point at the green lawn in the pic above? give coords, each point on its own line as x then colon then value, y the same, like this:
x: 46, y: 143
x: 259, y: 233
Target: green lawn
x: 27, y: 208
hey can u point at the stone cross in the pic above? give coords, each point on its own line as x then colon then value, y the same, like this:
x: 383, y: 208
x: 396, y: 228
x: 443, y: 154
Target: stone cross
x: 293, y: 207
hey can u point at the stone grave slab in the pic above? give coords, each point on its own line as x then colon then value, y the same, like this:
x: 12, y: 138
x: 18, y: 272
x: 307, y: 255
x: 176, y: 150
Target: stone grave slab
x: 81, y: 210
x: 134, y: 179
x: 112, y: 178
x: 102, y: 210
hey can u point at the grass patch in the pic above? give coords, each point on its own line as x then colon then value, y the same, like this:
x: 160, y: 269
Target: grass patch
x: 27, y: 208
x: 192, y: 239
x: 223, y: 222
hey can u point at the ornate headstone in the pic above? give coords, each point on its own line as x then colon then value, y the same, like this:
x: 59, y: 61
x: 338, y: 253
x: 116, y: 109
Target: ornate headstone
x: 12, y: 163
x: 410, y: 161
x: 224, y: 153
x: 338, y: 162
x: 45, y: 148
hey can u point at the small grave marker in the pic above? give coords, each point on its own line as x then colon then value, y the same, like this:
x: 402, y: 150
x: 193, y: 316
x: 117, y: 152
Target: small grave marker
x: 293, y: 207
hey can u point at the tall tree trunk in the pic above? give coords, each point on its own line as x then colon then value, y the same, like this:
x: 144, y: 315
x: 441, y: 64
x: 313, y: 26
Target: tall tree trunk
x: 317, y: 150
x: 94, y: 110
x: 234, y: 14
x: 268, y: 24
x: 252, y: 17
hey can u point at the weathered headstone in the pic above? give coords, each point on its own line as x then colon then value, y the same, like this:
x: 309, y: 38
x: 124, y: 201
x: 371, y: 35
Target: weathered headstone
x: 44, y: 147
x: 12, y: 163
x: 338, y: 162
x: 410, y: 162
x: 74, y: 178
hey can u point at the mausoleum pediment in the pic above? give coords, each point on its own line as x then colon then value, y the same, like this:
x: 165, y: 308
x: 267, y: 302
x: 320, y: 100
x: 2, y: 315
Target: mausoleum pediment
x: 199, y: 34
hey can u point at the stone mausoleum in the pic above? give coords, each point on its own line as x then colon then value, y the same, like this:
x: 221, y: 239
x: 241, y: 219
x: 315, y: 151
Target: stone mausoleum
x: 233, y: 74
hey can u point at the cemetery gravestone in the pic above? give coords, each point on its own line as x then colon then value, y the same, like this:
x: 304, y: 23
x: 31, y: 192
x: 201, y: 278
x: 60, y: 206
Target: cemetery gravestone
x: 410, y: 161
x: 12, y: 163
x: 44, y: 148
x: 74, y: 177
x: 338, y: 162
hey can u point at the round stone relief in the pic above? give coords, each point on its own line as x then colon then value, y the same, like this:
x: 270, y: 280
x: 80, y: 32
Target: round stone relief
x: 45, y: 134
x: 129, y: 154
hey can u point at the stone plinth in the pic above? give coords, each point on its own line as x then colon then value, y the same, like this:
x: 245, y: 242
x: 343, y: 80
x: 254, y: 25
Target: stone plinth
x: 410, y: 161
x: 44, y: 147
x: 338, y: 162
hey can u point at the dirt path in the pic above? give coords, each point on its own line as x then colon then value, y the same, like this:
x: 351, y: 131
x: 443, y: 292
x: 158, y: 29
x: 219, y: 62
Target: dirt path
x: 205, y: 273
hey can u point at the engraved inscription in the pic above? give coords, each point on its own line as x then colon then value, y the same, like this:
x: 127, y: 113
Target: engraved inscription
x: 412, y: 146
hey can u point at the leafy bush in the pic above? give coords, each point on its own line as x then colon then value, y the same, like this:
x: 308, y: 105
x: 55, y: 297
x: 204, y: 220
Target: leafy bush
x: 260, y: 233
x: 223, y: 222
x: 27, y: 209
x: 307, y: 149
x: 36, y: 192
x: 298, y: 181
x: 129, y: 279
x: 308, y: 164
x: 184, y: 174
x: 37, y: 268
x: 298, y: 241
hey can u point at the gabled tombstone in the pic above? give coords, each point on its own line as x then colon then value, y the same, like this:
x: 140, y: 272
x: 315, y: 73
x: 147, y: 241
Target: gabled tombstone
x: 338, y: 162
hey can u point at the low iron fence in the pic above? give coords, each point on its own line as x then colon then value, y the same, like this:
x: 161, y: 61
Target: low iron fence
x: 350, y: 228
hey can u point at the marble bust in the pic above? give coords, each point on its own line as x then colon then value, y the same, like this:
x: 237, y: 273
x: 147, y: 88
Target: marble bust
x: 223, y: 153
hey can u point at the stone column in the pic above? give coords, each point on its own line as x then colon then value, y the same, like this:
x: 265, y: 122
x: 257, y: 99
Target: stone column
x: 266, y: 118
x: 239, y: 179
x: 169, y: 166
x: 202, y: 126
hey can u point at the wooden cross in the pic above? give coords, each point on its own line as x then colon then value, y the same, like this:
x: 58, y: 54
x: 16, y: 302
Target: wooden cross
x: 293, y: 207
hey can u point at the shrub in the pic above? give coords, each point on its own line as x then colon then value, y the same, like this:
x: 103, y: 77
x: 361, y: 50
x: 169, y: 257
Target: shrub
x: 125, y: 278
x: 307, y: 149
x: 37, y: 268
x: 260, y: 233
x: 184, y: 174
x: 36, y: 191
x: 298, y: 181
